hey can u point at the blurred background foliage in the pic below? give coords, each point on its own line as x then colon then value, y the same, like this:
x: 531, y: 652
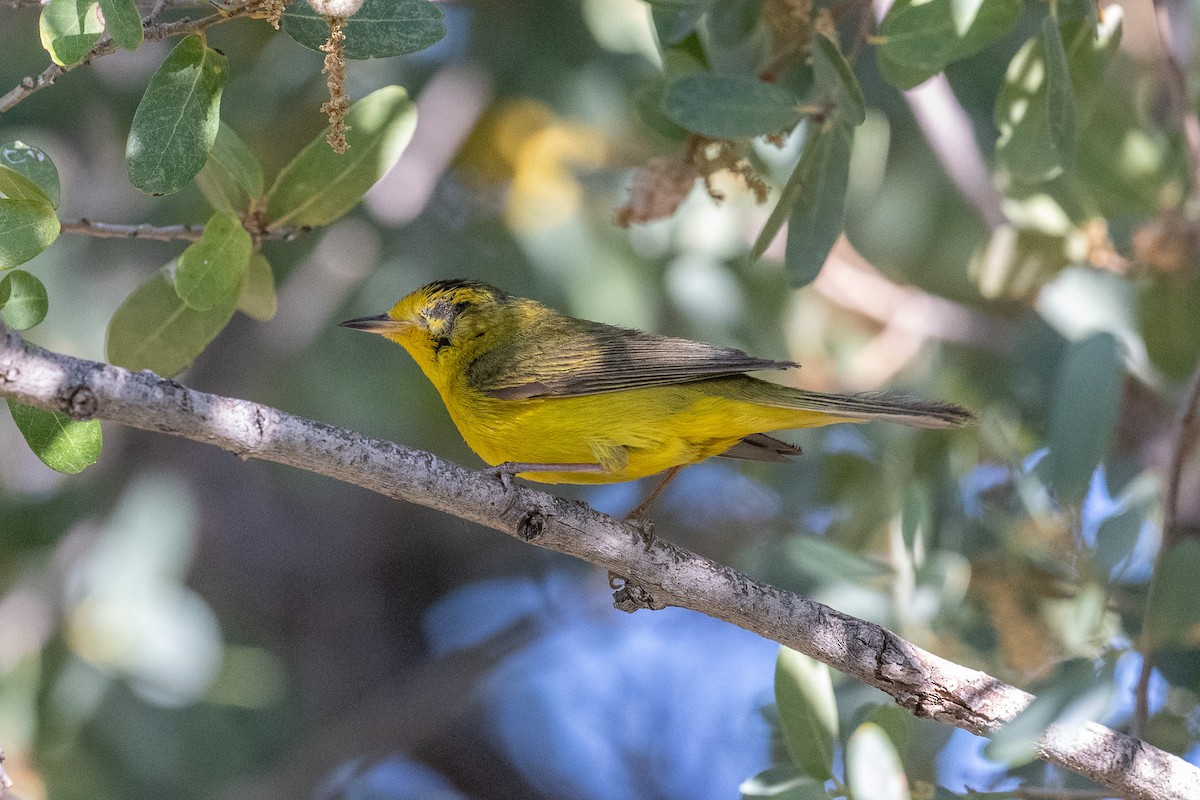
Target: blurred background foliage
x: 174, y: 622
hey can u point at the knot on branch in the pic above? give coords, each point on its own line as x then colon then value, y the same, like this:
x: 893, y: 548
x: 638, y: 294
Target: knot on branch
x: 81, y: 403
x: 532, y: 525
x: 631, y: 597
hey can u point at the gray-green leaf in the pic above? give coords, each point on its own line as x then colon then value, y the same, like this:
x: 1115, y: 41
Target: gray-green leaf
x: 381, y: 28
x: 23, y: 300
x: 835, y: 81
x: 69, y: 29
x: 211, y: 269
x: 63, y: 444
x: 16, y: 186
x: 318, y: 186
x: 727, y: 106
x: 1083, y: 413
x: 674, y: 20
x: 257, y: 297
x: 815, y: 221
x: 26, y: 229
x: 176, y: 122
x: 807, y: 712
x: 155, y: 330
x: 921, y: 38
x: 34, y: 165
x: 231, y: 177
x: 1060, y: 99
x: 124, y: 23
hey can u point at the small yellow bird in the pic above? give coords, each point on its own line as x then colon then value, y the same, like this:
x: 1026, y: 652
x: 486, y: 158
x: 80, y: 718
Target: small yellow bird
x: 556, y: 399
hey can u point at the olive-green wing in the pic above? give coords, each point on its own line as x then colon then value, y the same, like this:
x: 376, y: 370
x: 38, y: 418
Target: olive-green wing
x: 564, y: 357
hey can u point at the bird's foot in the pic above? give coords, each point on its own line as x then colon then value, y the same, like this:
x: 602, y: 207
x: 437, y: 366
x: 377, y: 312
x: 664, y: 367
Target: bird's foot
x: 505, y: 473
x: 644, y: 528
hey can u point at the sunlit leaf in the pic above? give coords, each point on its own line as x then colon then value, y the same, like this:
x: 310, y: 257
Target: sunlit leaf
x: 835, y: 80
x: 124, y: 23
x: 873, y: 768
x: 1060, y: 98
x: 155, y: 330
x: 727, y: 106
x: 26, y: 229
x: 807, y: 712
x: 69, y: 29
x: 1083, y: 413
x: 16, y: 186
x: 210, y: 270
x: 176, y: 122
x: 381, y: 28
x: 63, y: 444
x: 1036, y: 108
x: 23, y: 300
x: 34, y: 165
x: 257, y: 298
x: 782, y: 784
x: 231, y: 177
x: 318, y: 186
x: 920, y: 38
x: 815, y: 220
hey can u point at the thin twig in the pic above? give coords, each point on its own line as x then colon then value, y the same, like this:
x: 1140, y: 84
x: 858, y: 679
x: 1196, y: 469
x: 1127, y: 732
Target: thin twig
x: 1042, y: 793
x: 165, y: 233
x: 660, y: 575
x: 32, y: 84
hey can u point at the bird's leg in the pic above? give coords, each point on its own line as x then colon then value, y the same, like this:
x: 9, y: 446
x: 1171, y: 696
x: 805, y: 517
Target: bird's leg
x: 636, y: 518
x: 509, y: 469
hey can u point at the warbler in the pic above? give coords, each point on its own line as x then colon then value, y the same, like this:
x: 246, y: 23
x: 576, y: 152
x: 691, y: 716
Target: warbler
x: 556, y: 399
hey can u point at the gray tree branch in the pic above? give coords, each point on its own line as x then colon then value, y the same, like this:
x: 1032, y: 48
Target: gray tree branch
x: 664, y: 575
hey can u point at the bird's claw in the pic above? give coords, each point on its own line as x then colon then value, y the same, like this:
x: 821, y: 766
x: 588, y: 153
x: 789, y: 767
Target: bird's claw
x: 505, y: 473
x: 644, y: 529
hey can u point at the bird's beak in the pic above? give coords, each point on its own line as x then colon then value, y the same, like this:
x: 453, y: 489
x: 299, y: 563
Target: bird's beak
x: 381, y: 323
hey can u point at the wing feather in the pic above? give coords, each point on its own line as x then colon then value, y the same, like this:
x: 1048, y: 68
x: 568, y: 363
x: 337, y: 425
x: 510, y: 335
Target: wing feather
x: 569, y: 358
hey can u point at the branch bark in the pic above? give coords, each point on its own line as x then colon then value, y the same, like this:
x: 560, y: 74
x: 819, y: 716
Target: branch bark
x: 165, y: 233
x: 925, y: 684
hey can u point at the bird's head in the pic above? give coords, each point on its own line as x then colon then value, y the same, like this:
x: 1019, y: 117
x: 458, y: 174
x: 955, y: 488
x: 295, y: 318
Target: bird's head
x: 447, y: 318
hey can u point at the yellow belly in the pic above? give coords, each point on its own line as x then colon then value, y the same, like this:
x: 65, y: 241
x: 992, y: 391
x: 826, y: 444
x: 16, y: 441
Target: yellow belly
x: 631, y: 434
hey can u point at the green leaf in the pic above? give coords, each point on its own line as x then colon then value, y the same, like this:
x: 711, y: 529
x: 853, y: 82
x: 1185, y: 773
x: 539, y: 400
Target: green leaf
x: 1083, y: 413
x: 815, y: 221
x: 807, y: 712
x: 34, y: 165
x: 176, y: 122
x: 727, y: 106
x: 155, y: 330
x: 835, y: 80
x: 779, y: 783
x: 257, y: 297
x: 23, y: 300
x: 381, y: 28
x: 788, y: 195
x: 873, y: 768
x: 231, y: 178
x: 1036, y: 110
x: 124, y: 23
x: 896, y: 723
x: 675, y: 20
x: 1173, y: 606
x: 16, y: 186
x: 69, y: 29
x: 1060, y: 99
x: 921, y: 38
x: 318, y: 186
x: 63, y: 444
x: 826, y: 561
x: 211, y: 269
x: 26, y: 229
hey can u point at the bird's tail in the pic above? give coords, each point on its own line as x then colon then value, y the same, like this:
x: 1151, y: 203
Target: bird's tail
x: 886, y: 407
